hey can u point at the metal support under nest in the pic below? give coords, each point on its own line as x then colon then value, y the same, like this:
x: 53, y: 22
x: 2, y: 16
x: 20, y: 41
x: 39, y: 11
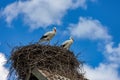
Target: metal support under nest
x: 36, y: 73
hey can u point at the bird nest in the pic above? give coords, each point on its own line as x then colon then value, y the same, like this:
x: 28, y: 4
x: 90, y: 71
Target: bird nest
x: 53, y: 59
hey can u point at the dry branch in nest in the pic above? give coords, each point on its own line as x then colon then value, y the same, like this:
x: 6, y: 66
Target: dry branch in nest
x: 53, y: 59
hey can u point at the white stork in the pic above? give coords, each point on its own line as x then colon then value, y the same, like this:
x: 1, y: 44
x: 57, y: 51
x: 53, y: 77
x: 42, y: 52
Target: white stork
x: 48, y: 36
x: 67, y: 43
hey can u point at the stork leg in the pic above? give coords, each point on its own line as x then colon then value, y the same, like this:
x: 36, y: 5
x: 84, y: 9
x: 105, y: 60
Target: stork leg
x: 49, y: 42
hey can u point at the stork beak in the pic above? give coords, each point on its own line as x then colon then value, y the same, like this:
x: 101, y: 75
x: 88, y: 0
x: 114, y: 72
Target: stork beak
x: 55, y: 29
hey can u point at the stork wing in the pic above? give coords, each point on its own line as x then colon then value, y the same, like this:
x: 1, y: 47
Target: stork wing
x: 46, y: 34
x: 64, y: 43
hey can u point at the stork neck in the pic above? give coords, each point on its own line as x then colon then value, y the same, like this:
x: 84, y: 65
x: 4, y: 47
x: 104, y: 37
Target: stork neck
x: 71, y: 39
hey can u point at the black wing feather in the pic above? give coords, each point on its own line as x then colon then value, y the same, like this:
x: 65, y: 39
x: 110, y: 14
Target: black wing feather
x: 43, y: 37
x: 63, y: 45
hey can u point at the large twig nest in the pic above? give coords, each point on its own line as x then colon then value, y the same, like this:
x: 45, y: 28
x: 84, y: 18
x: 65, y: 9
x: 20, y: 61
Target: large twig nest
x: 45, y: 57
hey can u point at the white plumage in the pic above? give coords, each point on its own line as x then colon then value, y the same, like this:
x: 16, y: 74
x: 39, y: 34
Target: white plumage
x: 67, y: 43
x: 48, y: 36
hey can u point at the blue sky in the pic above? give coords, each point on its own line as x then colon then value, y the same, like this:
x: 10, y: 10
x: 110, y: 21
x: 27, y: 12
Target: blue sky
x: 94, y: 25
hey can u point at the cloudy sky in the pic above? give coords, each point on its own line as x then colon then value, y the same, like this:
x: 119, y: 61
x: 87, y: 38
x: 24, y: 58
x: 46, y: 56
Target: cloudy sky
x: 94, y: 25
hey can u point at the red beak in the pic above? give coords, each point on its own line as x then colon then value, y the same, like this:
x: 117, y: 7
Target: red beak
x: 55, y: 30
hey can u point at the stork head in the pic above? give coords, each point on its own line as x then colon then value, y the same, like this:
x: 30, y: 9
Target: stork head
x: 71, y: 38
x: 54, y: 29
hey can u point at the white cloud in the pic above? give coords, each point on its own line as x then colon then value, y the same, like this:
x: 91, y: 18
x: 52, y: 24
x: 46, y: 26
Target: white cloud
x: 90, y: 29
x: 112, y: 52
x: 3, y: 70
x: 102, y: 72
x: 79, y: 3
x: 39, y: 13
x: 107, y: 70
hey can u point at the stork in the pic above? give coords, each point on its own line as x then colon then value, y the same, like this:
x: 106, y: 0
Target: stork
x: 66, y: 44
x: 48, y: 36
